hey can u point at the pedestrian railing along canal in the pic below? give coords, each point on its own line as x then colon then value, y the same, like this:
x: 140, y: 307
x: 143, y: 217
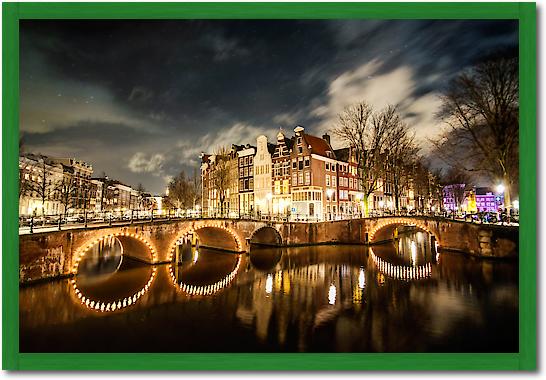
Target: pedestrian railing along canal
x: 47, y: 223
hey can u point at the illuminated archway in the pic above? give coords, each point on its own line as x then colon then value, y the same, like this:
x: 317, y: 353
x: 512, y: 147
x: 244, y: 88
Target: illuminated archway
x: 266, y: 235
x: 404, y: 222
x: 194, y: 229
x: 122, y: 236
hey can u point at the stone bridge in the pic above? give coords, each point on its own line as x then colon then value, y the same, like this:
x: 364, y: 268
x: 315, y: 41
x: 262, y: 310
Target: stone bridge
x: 51, y: 254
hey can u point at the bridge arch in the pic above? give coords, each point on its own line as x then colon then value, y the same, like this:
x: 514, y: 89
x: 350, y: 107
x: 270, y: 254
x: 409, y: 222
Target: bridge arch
x: 208, y: 231
x: 126, y: 239
x: 388, y: 222
x: 266, y: 235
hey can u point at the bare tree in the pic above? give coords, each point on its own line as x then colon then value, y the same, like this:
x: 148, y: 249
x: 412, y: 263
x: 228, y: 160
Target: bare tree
x: 481, y: 109
x: 457, y: 180
x: 179, y: 191
x: 25, y: 173
x: 43, y: 186
x: 65, y: 189
x: 221, y: 177
x: 402, y: 155
x: 195, y: 187
x: 369, y: 133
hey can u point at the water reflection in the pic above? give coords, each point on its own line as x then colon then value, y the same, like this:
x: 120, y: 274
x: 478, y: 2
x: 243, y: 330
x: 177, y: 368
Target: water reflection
x: 204, y: 274
x: 104, y: 281
x: 103, y: 258
x: 306, y: 299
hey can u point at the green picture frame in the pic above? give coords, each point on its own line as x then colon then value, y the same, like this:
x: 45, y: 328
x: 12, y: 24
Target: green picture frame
x: 525, y: 359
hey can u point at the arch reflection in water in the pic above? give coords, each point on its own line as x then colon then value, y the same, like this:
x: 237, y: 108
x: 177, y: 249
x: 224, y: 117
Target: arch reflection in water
x: 265, y: 259
x: 103, y: 258
x: 401, y: 272
x: 407, y: 258
x: 199, y: 277
x: 103, y: 274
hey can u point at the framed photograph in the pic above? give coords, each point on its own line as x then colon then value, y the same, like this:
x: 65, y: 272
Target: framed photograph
x: 269, y: 186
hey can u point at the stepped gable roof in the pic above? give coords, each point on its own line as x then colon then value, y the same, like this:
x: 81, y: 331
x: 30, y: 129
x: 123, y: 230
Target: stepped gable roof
x: 342, y: 154
x: 319, y: 145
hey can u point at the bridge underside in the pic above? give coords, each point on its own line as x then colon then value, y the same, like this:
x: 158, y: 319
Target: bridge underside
x: 266, y: 236
x: 387, y: 233
x: 218, y: 238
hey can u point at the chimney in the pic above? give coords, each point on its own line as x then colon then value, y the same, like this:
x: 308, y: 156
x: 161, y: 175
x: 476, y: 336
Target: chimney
x: 326, y: 137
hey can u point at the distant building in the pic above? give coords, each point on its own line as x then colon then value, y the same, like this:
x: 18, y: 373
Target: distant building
x: 263, y: 195
x: 314, y: 178
x: 487, y: 200
x: 39, y: 180
x: 246, y: 179
x: 454, y: 196
x: 280, y: 176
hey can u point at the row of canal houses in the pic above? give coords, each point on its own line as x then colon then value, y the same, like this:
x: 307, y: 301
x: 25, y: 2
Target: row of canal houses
x: 300, y: 178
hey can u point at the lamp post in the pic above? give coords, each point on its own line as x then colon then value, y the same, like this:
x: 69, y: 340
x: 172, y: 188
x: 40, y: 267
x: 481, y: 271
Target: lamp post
x: 381, y: 204
x: 269, y: 196
x: 329, y: 194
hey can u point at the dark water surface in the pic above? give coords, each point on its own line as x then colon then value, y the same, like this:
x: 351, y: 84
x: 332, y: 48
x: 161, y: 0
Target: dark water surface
x: 396, y: 297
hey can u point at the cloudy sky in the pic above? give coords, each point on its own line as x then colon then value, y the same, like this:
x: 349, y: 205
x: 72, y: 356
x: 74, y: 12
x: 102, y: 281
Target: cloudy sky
x: 140, y: 100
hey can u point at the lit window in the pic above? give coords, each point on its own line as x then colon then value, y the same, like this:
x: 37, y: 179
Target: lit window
x: 307, y: 178
x: 327, y: 180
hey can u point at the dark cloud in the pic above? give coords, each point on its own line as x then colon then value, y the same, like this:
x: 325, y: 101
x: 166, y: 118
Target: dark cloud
x: 120, y: 92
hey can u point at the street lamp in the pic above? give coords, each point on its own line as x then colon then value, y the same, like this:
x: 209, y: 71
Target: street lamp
x: 500, y: 188
x: 329, y: 194
x: 381, y: 204
x: 269, y: 196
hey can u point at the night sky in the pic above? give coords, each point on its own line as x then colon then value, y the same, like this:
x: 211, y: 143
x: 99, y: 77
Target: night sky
x: 140, y: 100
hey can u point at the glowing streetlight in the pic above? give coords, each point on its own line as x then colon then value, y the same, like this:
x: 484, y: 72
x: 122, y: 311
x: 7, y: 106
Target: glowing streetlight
x: 329, y: 193
x: 381, y: 204
x: 516, y: 204
x: 500, y: 188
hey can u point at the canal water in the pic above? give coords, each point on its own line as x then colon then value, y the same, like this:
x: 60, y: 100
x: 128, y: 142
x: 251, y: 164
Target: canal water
x: 401, y: 296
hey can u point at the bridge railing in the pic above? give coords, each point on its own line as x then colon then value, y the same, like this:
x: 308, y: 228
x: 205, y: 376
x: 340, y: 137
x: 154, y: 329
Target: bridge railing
x: 33, y: 223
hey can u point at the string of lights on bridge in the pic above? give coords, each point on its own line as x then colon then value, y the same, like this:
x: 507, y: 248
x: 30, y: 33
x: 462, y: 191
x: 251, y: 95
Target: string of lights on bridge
x: 113, y: 305
x: 206, y: 290
x: 80, y: 253
x: 192, y: 230
x: 401, y: 272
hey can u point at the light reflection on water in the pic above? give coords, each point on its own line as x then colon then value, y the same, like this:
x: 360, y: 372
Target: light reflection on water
x: 321, y: 298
